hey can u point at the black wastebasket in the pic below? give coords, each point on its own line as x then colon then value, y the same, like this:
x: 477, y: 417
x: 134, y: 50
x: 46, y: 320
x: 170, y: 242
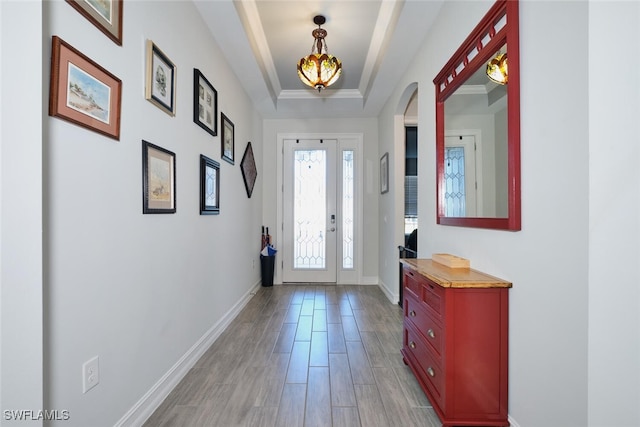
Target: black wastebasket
x: 267, y: 265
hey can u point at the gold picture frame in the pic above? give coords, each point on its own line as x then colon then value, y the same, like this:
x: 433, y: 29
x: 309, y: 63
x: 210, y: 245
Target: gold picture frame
x: 160, y: 82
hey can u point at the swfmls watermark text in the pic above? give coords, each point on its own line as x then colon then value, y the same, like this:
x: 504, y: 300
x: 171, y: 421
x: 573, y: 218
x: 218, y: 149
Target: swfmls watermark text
x: 36, y: 415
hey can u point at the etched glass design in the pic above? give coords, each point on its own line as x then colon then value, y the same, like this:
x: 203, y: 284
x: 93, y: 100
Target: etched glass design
x: 211, y: 198
x: 455, y: 192
x: 309, y: 210
x: 347, y: 209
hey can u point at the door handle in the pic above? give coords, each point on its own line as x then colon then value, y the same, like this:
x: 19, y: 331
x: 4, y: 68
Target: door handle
x: 332, y: 229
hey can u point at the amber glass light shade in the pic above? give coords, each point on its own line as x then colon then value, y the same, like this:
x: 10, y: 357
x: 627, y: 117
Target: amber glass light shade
x: 497, y: 69
x: 319, y: 69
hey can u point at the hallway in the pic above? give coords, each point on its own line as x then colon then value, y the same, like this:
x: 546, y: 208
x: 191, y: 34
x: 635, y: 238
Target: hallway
x: 304, y: 355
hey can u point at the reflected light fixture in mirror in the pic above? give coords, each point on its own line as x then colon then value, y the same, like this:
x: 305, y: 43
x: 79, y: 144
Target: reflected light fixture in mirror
x: 491, y: 198
x: 497, y: 69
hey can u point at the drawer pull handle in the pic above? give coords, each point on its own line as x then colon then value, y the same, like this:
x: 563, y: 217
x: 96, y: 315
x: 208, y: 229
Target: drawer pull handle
x: 431, y: 372
x: 412, y: 313
x: 431, y: 333
x: 412, y: 344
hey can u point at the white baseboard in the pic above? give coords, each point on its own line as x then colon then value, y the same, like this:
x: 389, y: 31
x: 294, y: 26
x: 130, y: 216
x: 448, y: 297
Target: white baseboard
x: 144, y: 408
x: 512, y: 421
x: 369, y: 280
x: 394, y: 297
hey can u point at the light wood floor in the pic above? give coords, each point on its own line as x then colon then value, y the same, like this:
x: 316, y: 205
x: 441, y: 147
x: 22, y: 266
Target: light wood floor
x: 304, y: 355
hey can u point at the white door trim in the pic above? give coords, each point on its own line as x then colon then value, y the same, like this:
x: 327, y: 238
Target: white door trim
x: 345, y: 141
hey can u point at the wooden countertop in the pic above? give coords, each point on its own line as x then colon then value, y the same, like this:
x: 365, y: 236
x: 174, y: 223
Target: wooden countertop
x: 454, y: 277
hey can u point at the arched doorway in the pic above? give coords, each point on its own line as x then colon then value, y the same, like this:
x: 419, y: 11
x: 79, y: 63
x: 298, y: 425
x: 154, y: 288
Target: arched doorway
x: 406, y: 147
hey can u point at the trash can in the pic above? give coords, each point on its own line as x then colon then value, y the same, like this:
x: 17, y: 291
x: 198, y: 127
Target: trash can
x: 267, y: 265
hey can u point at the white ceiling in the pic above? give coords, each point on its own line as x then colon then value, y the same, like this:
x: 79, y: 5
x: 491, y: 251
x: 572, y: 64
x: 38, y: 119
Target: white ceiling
x: 262, y: 40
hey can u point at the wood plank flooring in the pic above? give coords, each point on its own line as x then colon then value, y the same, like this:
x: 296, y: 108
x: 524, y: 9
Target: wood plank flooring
x: 303, y: 355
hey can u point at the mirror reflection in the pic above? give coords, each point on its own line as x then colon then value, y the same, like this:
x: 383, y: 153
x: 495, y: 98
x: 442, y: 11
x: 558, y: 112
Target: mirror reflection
x: 476, y: 172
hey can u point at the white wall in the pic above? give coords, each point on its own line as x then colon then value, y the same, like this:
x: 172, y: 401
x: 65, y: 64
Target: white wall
x: 614, y: 216
x: 21, y: 290
x: 366, y: 127
x: 140, y: 290
x: 548, y: 260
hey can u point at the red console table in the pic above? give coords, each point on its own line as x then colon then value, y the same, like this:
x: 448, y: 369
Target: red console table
x: 456, y: 323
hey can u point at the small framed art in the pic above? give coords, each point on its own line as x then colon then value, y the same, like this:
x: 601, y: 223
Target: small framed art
x: 384, y: 173
x: 160, y: 81
x: 228, y: 138
x: 248, y: 167
x: 158, y: 179
x: 205, y: 103
x: 82, y: 92
x: 209, y: 186
x: 106, y: 15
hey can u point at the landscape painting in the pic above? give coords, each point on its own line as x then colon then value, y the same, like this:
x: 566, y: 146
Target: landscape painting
x: 158, y: 179
x: 102, y: 7
x: 106, y: 15
x: 82, y: 92
x: 88, y: 95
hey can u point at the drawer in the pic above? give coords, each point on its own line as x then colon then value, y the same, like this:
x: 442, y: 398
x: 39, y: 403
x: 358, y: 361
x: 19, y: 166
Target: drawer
x: 430, y: 371
x: 412, y: 282
x: 424, y: 323
x: 433, y: 296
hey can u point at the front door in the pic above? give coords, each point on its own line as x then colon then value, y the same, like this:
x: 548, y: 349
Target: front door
x: 460, y: 176
x: 309, y: 211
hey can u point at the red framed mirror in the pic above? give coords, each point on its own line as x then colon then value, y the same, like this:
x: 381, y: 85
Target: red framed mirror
x: 478, y: 126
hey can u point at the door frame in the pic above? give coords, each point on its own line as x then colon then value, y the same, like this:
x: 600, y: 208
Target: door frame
x: 345, y: 141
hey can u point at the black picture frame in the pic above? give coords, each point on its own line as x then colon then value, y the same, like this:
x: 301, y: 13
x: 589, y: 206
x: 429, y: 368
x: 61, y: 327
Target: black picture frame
x: 158, y: 179
x: 248, y: 168
x: 160, y: 79
x: 205, y: 103
x: 209, y: 186
x: 384, y: 173
x: 228, y: 139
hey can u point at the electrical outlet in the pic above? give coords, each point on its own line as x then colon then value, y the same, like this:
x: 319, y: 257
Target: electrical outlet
x: 90, y: 374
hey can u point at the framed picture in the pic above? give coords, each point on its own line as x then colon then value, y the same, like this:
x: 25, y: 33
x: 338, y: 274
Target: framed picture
x: 158, y: 179
x: 209, y: 186
x: 82, y: 92
x: 384, y: 173
x: 248, y: 167
x: 205, y: 103
x: 228, y: 144
x: 104, y: 14
x: 160, y: 85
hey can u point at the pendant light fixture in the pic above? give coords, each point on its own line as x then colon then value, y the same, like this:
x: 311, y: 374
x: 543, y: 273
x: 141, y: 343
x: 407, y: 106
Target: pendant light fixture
x: 319, y: 69
x: 497, y: 69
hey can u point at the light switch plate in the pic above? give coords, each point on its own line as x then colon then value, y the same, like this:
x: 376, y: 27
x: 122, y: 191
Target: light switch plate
x: 90, y: 374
